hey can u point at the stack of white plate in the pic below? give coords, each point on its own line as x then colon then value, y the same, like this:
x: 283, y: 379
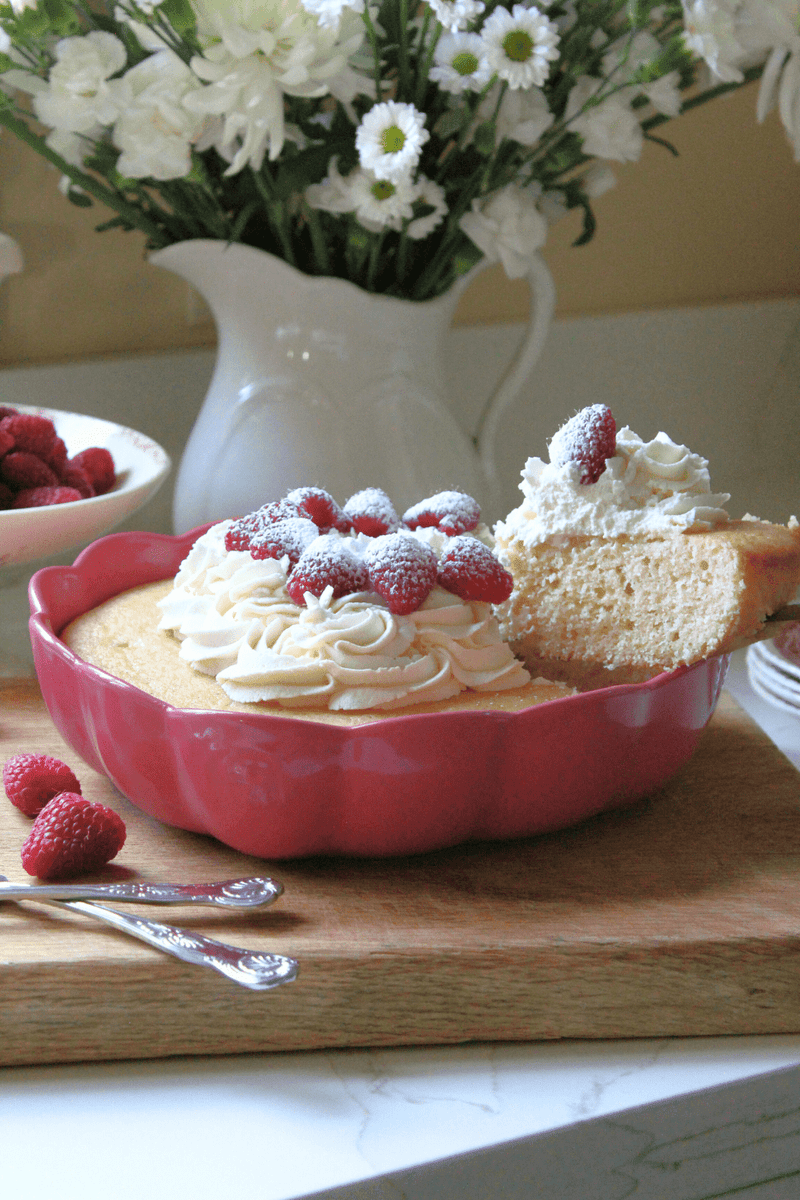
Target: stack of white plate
x: 774, y: 677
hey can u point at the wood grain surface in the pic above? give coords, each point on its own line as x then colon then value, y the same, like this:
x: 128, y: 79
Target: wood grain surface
x: 678, y: 916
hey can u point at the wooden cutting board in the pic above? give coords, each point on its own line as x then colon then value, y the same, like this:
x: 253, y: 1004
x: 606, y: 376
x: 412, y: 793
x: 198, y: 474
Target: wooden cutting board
x: 678, y: 916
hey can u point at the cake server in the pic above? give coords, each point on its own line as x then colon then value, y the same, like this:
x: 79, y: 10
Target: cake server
x: 252, y: 969
x: 254, y: 892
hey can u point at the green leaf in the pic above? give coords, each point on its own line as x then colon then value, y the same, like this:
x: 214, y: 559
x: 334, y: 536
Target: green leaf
x: 483, y: 138
x: 449, y: 124
x: 79, y: 198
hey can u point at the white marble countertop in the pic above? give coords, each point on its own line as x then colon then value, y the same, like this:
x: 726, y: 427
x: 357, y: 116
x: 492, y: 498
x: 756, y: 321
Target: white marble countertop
x: 664, y: 1119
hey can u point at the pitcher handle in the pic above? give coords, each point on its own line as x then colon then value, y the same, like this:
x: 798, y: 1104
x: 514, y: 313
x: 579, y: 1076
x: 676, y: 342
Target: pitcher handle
x: 543, y: 299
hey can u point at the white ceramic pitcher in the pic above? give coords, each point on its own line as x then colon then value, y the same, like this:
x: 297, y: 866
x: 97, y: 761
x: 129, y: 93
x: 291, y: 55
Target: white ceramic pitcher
x: 320, y: 383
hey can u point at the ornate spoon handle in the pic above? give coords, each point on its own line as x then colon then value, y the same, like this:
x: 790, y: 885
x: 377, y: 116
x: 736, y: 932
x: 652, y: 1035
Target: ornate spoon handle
x: 250, y: 968
x: 230, y: 893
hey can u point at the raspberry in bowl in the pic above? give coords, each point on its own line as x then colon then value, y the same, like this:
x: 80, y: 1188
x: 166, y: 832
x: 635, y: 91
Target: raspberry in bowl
x: 186, y: 733
x: 66, y: 478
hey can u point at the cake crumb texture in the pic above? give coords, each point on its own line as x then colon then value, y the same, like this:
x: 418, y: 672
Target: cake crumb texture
x: 639, y: 606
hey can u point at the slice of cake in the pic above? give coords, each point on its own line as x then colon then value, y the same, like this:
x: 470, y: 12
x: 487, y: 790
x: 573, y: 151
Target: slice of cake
x: 626, y: 564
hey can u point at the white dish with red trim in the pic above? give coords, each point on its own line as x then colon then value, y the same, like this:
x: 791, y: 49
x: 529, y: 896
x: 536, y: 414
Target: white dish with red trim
x: 30, y: 534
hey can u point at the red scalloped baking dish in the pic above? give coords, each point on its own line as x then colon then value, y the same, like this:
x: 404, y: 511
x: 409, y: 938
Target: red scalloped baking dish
x: 280, y: 787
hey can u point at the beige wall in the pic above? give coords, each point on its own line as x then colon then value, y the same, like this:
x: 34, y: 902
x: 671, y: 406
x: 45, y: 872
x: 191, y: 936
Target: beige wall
x: 720, y: 223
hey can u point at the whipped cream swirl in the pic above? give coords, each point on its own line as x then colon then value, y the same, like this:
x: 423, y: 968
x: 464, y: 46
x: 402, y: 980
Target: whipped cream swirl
x: 647, y: 489
x: 236, y: 621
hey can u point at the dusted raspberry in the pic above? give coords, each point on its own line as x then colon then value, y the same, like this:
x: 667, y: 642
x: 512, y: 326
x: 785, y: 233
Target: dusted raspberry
x: 588, y: 439
x: 240, y: 533
x: 20, y: 469
x: 452, y: 512
x: 56, y: 456
x: 372, y: 512
x: 328, y: 563
x: 31, y: 433
x: 32, y: 780
x: 99, y: 467
x: 321, y: 507
x: 291, y: 536
x: 41, y: 497
x: 471, y: 571
x: 402, y: 570
x: 76, y: 477
x: 71, y: 836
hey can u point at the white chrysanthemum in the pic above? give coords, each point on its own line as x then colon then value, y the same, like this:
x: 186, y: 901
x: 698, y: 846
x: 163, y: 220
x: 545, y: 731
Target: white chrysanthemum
x: 329, y: 12
x: 255, y: 52
x: 380, y: 203
x: 460, y: 63
x: 507, y: 227
x: 456, y: 14
x: 609, y: 129
x: 78, y: 96
x: 710, y: 34
x: 520, y: 45
x: 390, y: 138
x: 333, y: 194
x: 431, y: 194
x: 155, y: 130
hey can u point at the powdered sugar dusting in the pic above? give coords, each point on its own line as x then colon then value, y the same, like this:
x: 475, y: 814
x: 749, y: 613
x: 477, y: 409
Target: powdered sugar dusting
x: 452, y: 512
x: 372, y: 512
x: 588, y: 439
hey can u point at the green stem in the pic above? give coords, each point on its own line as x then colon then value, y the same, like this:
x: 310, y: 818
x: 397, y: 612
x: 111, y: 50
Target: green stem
x: 112, y: 199
x: 318, y: 240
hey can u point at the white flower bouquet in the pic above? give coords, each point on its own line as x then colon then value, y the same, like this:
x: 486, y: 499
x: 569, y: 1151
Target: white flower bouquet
x: 392, y: 144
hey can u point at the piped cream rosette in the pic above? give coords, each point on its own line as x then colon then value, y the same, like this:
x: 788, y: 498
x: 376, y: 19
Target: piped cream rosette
x: 236, y: 622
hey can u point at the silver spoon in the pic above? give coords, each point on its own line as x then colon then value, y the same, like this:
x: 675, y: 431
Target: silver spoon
x: 250, y: 968
x: 254, y: 892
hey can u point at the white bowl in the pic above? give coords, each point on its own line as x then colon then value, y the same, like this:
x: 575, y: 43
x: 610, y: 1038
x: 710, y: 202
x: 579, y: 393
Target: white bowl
x: 28, y: 534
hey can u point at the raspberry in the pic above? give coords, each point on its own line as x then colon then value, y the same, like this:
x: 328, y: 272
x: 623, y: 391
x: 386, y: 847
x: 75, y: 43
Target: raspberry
x: 6, y: 441
x: 471, y: 571
x: 6, y: 496
x: 588, y: 439
x: 30, y: 433
x: 328, y: 563
x: 452, y: 512
x: 372, y: 512
x: 77, y: 479
x: 402, y: 571
x: 321, y: 507
x: 7, y: 411
x: 32, y: 780
x: 56, y: 456
x: 241, y: 532
x: 41, y: 497
x: 291, y: 536
x: 21, y: 469
x: 71, y: 836
x: 98, y: 465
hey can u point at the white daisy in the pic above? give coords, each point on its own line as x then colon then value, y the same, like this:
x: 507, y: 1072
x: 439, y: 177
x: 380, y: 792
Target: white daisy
x: 456, y: 14
x: 431, y: 194
x: 520, y: 45
x: 460, y: 63
x: 390, y: 138
x: 380, y: 203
